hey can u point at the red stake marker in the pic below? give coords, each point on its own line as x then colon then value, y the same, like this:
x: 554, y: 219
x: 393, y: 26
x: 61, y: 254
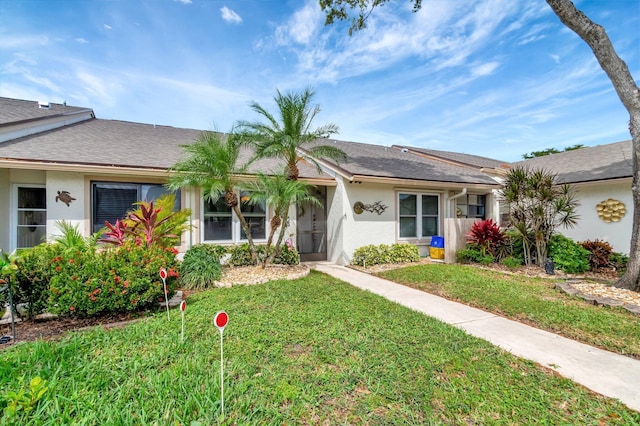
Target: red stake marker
x: 220, y: 320
x: 163, y: 276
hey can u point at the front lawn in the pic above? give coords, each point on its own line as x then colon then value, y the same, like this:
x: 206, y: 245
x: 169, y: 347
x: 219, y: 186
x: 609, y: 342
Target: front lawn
x: 309, y: 351
x: 534, y: 301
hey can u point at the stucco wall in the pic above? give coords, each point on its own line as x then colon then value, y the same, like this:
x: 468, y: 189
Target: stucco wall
x: 591, y: 227
x: 348, y: 230
x: 76, y: 213
x: 5, y: 212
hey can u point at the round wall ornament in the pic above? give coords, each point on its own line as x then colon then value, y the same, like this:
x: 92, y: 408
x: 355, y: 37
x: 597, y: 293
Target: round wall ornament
x: 358, y: 207
x: 611, y: 210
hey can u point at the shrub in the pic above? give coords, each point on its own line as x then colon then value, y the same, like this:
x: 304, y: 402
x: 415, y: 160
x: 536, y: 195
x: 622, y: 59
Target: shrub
x: 201, y: 267
x: 402, y: 253
x: 511, y: 262
x: 383, y: 253
x: 34, y: 274
x: 568, y: 255
x: 473, y: 253
x: 599, y: 252
x: 487, y: 235
x: 241, y: 256
x: 121, y: 279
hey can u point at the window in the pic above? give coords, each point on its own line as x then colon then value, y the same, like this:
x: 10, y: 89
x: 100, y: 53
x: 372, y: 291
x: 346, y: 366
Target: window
x: 471, y: 206
x: 221, y: 223
x: 31, y: 216
x: 112, y: 200
x: 418, y: 215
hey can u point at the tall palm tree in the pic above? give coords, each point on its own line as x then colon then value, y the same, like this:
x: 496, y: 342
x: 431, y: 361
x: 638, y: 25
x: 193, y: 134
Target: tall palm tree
x: 278, y: 192
x: 211, y: 163
x: 283, y: 136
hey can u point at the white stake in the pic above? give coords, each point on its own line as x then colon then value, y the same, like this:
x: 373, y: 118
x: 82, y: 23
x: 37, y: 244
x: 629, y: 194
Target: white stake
x: 183, y: 306
x: 220, y: 320
x: 163, y: 275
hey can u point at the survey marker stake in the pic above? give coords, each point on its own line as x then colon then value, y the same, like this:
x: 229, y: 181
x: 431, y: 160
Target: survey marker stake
x: 163, y: 275
x: 220, y: 320
x: 183, y: 306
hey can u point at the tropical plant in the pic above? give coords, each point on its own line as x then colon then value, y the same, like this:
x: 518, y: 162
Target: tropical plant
x: 152, y: 222
x: 289, y: 135
x: 200, y: 267
x: 599, y: 253
x: 278, y: 192
x: 212, y: 163
x: 487, y: 235
x: 383, y: 253
x: 537, y: 207
x: 70, y: 236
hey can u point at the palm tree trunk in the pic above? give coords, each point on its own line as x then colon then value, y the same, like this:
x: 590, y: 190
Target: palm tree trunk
x: 283, y: 227
x: 247, y: 231
x: 268, y: 258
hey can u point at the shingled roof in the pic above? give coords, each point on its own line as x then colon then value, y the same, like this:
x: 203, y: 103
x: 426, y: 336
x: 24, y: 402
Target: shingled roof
x: 396, y: 163
x: 601, y: 162
x: 17, y: 110
x: 460, y: 158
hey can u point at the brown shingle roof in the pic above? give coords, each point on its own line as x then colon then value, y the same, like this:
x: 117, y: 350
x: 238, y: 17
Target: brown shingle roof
x: 457, y: 157
x: 392, y: 162
x: 15, y: 110
x: 601, y: 162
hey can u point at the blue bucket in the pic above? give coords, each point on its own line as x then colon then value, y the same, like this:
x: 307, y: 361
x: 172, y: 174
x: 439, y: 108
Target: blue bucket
x: 437, y: 242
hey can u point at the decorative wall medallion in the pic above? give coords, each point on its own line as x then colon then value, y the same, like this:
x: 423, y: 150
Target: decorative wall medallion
x: 376, y: 207
x: 65, y: 197
x: 358, y: 207
x: 611, y: 210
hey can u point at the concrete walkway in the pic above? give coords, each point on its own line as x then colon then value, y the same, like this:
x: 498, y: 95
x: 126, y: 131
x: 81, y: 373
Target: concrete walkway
x: 609, y: 374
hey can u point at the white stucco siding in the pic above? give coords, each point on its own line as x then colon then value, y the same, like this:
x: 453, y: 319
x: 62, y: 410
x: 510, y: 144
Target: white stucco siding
x: 76, y: 213
x: 5, y: 211
x: 336, y: 220
x: 368, y: 227
x: 591, y: 227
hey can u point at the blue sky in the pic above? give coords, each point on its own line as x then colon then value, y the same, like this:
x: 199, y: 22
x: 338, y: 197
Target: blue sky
x: 497, y: 78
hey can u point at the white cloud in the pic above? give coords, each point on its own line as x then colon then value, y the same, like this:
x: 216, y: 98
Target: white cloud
x: 98, y: 88
x: 81, y: 40
x: 22, y: 42
x: 301, y: 27
x: 484, y: 69
x: 184, y: 1
x: 107, y: 27
x: 230, y: 16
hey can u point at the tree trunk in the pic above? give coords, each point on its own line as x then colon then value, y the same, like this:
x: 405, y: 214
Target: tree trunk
x: 247, y: 230
x: 598, y: 40
x: 278, y: 246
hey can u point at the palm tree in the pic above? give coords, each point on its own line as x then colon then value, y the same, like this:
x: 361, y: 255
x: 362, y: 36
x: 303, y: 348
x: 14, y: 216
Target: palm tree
x: 285, y: 136
x: 212, y: 164
x: 279, y: 192
x: 537, y: 207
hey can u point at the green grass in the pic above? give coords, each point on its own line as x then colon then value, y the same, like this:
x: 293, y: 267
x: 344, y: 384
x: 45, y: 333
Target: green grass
x: 531, y: 300
x: 310, y: 351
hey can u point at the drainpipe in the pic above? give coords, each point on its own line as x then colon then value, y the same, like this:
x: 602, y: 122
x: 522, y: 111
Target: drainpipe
x: 458, y: 195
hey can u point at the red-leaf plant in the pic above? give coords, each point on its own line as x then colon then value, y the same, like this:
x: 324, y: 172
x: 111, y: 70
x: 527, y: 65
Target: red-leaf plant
x: 147, y: 226
x: 116, y: 234
x: 487, y: 235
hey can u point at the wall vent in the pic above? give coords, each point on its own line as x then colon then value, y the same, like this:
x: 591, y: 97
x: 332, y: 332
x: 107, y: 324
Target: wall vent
x: 44, y: 105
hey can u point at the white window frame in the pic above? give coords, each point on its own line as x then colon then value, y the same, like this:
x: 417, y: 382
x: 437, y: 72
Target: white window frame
x: 236, y: 227
x: 14, y: 212
x: 419, y: 215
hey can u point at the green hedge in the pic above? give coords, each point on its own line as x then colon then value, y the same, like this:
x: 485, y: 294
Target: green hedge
x: 240, y: 255
x: 384, y: 253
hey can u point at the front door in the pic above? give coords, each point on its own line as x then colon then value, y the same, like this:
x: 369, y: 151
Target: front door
x: 312, y: 228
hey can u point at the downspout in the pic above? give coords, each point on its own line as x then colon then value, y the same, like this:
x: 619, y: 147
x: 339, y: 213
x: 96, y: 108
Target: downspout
x: 458, y: 195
